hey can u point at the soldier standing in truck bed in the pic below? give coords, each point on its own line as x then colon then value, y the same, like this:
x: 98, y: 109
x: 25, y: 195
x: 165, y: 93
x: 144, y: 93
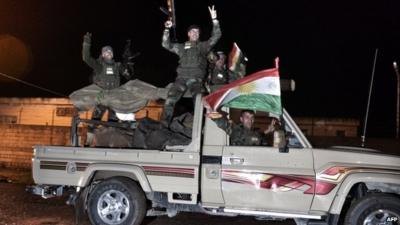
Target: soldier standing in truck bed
x: 106, y: 77
x: 192, y: 62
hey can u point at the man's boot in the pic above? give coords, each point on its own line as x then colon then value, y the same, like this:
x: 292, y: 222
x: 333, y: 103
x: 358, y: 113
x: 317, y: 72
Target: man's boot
x: 97, y: 114
x: 112, y: 116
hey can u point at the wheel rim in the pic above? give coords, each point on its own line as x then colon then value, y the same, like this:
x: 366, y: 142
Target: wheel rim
x: 382, y: 217
x: 113, y: 207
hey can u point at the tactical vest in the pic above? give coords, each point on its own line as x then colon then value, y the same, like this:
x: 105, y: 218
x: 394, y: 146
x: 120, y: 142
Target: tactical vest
x: 108, y: 78
x: 192, y: 56
x: 219, y: 76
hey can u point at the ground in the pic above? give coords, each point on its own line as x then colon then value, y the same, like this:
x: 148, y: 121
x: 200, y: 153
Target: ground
x: 18, y: 207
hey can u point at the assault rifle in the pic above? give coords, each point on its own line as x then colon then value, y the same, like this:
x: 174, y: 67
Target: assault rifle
x: 170, y: 12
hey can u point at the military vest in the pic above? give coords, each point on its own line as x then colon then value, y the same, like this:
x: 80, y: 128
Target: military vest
x: 219, y: 76
x: 192, y: 56
x: 109, y: 77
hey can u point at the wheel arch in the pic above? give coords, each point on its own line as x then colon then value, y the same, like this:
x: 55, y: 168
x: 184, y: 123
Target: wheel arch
x: 105, y: 171
x: 352, y: 181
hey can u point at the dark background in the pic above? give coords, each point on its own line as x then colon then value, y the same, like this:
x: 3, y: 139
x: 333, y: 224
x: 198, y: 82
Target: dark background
x: 327, y: 47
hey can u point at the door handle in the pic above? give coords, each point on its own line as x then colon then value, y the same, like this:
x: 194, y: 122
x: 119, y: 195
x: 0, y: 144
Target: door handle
x: 236, y: 160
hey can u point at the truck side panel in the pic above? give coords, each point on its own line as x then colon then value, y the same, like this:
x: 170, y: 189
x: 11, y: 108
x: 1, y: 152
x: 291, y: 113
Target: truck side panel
x: 74, y: 166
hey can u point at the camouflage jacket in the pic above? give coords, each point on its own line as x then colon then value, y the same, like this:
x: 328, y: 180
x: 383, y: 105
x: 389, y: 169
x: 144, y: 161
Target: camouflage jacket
x: 239, y: 135
x: 192, y: 55
x: 106, y: 75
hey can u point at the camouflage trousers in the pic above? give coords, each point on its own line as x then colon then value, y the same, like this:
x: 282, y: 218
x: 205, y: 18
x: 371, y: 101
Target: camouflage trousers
x: 129, y: 97
x: 178, y: 89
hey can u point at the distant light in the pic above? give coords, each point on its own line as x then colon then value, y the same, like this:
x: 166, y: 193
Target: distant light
x: 15, y: 57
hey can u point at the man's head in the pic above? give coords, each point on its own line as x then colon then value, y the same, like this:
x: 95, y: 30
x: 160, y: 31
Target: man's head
x: 107, y: 53
x: 193, y: 32
x: 221, y: 59
x: 247, y: 118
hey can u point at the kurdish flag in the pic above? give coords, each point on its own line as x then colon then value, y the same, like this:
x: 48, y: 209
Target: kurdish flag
x: 235, y: 58
x: 259, y: 91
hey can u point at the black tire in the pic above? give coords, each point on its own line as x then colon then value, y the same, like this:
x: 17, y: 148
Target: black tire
x: 367, y: 209
x: 116, y: 201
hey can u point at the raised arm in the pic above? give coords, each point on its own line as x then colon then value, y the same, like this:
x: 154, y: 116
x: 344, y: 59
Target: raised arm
x: 87, y: 58
x: 216, y: 31
x: 166, y: 41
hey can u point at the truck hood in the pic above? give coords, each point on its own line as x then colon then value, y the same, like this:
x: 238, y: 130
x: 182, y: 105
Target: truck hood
x: 355, y: 157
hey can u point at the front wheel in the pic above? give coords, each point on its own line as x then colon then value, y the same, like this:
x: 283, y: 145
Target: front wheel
x: 117, y: 201
x: 374, y: 209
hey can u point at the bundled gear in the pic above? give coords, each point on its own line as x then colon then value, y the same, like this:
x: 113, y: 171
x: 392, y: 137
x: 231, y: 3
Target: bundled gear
x: 151, y: 134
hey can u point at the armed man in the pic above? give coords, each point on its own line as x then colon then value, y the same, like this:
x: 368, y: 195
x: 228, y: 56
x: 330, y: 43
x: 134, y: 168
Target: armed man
x: 192, y: 66
x: 106, y: 77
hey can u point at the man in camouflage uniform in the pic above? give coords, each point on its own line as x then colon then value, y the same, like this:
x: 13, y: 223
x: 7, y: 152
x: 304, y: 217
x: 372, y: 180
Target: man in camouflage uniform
x: 192, y: 63
x: 243, y: 133
x: 218, y: 73
x: 106, y: 76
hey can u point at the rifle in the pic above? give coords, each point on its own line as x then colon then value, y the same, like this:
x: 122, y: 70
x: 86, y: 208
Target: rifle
x: 170, y: 12
x: 127, y: 60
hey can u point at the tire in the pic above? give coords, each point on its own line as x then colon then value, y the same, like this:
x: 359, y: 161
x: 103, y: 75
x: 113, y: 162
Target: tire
x: 374, y: 209
x: 116, y: 201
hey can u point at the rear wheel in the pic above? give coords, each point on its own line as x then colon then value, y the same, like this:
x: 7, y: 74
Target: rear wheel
x: 374, y: 209
x: 116, y: 201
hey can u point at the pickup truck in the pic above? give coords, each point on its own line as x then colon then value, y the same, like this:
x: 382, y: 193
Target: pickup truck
x: 346, y: 185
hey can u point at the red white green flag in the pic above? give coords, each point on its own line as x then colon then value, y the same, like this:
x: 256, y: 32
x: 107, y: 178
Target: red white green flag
x: 236, y: 57
x: 259, y: 91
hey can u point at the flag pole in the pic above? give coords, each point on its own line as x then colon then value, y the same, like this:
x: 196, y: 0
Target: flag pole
x: 285, y: 148
x: 396, y: 69
x: 369, y: 100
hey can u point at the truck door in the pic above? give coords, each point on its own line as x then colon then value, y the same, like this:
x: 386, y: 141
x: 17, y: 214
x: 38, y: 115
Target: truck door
x: 265, y: 179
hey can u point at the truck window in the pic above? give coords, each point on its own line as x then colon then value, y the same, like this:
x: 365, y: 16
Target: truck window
x: 262, y: 133
x: 293, y: 141
x: 258, y: 135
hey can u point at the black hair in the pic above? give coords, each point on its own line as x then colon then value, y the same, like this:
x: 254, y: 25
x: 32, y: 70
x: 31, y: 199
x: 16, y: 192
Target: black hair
x: 193, y: 26
x: 246, y: 111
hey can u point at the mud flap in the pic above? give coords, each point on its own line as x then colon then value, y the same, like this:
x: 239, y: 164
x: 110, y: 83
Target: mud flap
x: 80, y: 205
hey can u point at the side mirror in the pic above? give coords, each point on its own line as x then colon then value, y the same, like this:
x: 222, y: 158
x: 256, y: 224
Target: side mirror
x: 280, y: 141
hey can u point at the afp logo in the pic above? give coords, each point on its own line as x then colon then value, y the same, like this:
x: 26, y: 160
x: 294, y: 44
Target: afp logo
x: 392, y: 219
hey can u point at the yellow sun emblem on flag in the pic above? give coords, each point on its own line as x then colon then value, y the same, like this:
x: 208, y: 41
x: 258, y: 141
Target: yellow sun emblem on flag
x: 247, y: 88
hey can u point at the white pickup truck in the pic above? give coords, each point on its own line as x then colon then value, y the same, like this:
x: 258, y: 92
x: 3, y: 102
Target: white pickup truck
x: 312, y: 186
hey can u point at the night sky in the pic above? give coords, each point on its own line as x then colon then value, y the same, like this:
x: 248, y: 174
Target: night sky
x: 327, y: 47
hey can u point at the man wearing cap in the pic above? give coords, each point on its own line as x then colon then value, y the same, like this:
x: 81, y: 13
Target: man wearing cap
x: 192, y: 62
x: 106, y: 81
x: 217, y: 73
x: 106, y: 74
